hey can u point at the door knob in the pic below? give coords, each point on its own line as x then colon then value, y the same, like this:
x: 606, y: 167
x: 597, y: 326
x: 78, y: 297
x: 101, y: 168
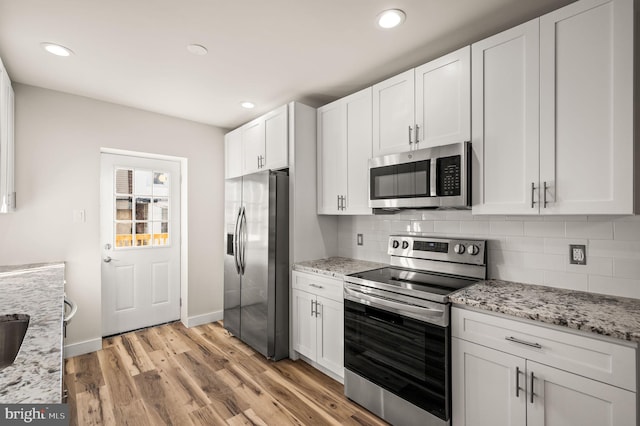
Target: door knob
x: 107, y: 259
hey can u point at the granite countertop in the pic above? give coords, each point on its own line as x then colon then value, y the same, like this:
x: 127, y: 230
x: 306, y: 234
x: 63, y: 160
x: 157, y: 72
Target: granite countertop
x: 336, y: 267
x: 36, y: 374
x: 601, y: 314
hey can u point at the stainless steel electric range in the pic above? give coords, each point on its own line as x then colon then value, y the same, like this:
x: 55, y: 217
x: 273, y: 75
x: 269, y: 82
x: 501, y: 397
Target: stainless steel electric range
x: 396, y: 328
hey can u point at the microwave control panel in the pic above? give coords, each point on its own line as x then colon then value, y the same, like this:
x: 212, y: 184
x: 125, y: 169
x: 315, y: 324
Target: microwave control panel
x: 449, y: 176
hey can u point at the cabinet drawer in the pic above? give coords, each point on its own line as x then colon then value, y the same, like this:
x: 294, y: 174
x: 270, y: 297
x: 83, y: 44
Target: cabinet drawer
x: 598, y: 359
x: 331, y: 288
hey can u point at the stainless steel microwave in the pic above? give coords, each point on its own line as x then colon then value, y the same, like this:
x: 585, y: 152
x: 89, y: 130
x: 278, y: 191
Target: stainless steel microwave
x: 436, y: 177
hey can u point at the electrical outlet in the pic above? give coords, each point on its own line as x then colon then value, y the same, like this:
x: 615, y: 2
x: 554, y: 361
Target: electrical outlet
x: 359, y: 239
x: 577, y: 254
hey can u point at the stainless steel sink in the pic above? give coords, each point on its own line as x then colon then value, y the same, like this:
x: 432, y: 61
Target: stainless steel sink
x: 12, y: 330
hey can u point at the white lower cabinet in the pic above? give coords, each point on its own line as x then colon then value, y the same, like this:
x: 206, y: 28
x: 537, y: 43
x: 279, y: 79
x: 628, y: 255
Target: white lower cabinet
x: 506, y: 387
x: 317, y: 320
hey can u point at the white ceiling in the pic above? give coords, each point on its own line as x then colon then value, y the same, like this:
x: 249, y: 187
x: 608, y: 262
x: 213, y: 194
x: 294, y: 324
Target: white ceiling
x: 133, y: 52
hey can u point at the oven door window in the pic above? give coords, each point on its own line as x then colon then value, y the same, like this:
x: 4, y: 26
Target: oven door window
x: 408, y: 180
x: 404, y: 356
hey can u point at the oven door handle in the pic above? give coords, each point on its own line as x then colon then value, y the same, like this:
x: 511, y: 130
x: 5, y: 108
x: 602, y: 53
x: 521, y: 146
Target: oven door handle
x: 358, y: 296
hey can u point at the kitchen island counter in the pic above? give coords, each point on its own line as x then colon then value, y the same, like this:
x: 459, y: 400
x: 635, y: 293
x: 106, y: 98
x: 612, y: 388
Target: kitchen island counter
x: 602, y: 314
x: 36, y: 374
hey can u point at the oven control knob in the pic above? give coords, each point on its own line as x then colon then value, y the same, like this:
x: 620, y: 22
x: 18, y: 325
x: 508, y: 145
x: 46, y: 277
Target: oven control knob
x: 405, y: 245
x: 458, y: 248
x: 473, y: 249
x: 395, y: 244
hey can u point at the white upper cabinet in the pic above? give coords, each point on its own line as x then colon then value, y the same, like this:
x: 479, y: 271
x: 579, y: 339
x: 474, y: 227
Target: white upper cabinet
x: 276, y: 139
x: 423, y: 107
x: 233, y: 154
x: 505, y: 125
x: 344, y: 149
x: 443, y: 100
x: 393, y: 114
x: 253, y: 150
x: 260, y: 144
x: 7, y: 186
x: 586, y: 108
x: 553, y: 114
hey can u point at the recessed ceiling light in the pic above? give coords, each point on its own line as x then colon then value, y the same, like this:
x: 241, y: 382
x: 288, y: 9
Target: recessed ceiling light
x: 247, y: 105
x: 197, y: 49
x: 391, y: 18
x: 56, y: 49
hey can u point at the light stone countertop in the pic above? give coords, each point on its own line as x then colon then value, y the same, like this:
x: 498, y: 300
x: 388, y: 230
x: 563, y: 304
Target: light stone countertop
x: 612, y: 316
x: 36, y: 374
x: 336, y: 267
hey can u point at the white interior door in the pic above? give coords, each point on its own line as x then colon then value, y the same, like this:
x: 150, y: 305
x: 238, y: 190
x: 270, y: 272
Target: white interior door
x: 140, y: 237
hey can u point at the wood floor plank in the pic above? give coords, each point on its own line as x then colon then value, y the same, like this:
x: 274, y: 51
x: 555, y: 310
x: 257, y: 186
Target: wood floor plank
x: 269, y: 408
x: 180, y: 381
x: 123, y: 390
x: 133, y: 355
x: 206, y: 416
x: 158, y: 396
x: 172, y: 375
x: 222, y: 397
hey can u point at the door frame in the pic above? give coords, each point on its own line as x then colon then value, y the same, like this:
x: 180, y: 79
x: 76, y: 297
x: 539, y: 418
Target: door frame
x: 184, y: 214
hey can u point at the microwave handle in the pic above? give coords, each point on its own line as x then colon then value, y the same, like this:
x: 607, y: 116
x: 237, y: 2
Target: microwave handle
x: 433, y: 176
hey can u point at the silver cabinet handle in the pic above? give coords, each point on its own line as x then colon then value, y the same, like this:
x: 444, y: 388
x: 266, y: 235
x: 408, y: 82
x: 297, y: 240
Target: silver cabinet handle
x: 517, y: 382
x: 107, y: 259
x: 532, y: 393
x: 317, y: 310
x: 533, y: 189
x: 410, y: 132
x: 523, y: 342
x: 544, y: 195
x: 338, y: 198
x: 315, y: 285
x: 312, y: 302
x: 417, y: 134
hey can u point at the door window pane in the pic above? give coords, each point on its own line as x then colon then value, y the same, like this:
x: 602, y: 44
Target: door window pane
x: 142, y: 200
x: 124, y: 235
x: 144, y: 182
x: 124, y: 181
x: 142, y: 208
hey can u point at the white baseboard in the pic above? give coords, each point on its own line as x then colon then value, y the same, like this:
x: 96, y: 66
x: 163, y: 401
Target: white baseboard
x: 81, y: 348
x: 203, y: 319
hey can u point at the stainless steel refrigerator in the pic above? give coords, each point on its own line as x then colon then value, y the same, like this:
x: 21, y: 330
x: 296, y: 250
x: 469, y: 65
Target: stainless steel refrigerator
x: 256, y: 264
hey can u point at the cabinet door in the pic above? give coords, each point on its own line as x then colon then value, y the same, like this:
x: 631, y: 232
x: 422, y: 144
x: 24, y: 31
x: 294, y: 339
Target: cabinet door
x: 393, y: 114
x: 358, y: 118
x: 565, y: 399
x: 276, y: 139
x: 505, y: 121
x: 586, y: 108
x: 252, y: 146
x: 330, y: 345
x: 304, y: 323
x: 484, y: 386
x: 233, y: 154
x: 443, y: 100
x: 332, y: 156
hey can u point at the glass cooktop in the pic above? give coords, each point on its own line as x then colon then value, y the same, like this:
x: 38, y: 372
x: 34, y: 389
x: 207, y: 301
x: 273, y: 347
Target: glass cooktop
x: 414, y: 282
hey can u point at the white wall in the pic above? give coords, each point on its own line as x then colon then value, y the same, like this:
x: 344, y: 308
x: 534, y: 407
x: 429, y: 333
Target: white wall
x: 530, y: 249
x: 58, y: 141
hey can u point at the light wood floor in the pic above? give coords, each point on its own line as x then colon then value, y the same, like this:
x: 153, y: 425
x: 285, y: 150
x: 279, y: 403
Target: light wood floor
x: 200, y: 376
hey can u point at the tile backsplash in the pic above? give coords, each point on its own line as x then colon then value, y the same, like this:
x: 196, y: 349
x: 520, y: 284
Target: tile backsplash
x: 527, y: 249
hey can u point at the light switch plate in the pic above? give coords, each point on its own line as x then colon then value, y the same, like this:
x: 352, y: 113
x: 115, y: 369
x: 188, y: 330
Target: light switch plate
x: 359, y: 239
x: 577, y: 254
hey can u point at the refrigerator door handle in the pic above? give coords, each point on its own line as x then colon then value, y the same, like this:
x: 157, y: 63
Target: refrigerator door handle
x: 243, y: 227
x: 236, y: 242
